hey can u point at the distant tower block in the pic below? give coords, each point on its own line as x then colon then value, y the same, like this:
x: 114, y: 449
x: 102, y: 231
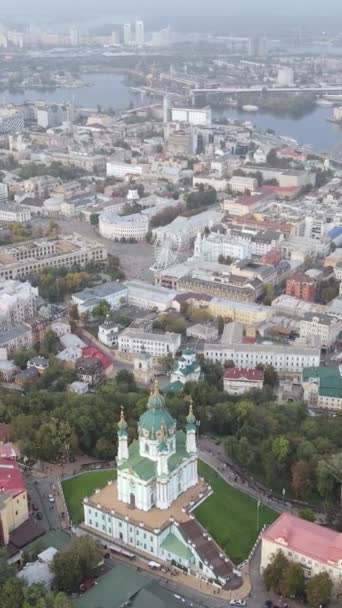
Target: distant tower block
x: 166, y: 110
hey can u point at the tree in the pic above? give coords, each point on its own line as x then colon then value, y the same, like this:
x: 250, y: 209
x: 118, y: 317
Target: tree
x: 302, y: 478
x: 94, y: 219
x: 329, y: 473
x: 105, y: 449
x: 101, y: 310
x: 307, y: 514
x: 79, y: 560
x: 126, y: 377
x: 318, y: 589
x: 49, y: 344
x: 292, y: 583
x: 280, y: 448
x: 73, y: 312
x: 21, y: 357
x: 12, y: 593
x: 270, y: 376
x: 167, y: 362
x: 274, y: 572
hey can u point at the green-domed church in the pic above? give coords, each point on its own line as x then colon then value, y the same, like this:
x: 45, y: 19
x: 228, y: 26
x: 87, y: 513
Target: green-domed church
x: 148, y: 510
x: 162, y: 463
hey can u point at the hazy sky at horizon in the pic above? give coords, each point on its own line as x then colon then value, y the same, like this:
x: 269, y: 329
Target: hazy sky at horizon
x: 216, y: 14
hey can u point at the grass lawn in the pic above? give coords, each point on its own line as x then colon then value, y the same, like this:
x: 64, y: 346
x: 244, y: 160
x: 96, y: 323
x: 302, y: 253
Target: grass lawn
x: 76, y: 488
x: 230, y: 516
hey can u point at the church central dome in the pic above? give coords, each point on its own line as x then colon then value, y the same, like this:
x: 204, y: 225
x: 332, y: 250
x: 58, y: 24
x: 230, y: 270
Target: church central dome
x: 156, y: 417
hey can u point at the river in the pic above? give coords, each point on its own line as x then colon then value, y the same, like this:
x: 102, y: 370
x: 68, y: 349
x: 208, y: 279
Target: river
x: 109, y: 90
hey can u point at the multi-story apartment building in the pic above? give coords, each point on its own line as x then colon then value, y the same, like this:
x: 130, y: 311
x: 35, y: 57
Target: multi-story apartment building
x: 91, y: 163
x: 120, y: 170
x: 18, y: 302
x: 301, y: 286
x: 317, y: 548
x: 158, y: 345
x: 13, y: 503
x: 16, y: 338
x: 30, y: 257
x: 326, y: 327
x: 10, y: 212
x: 292, y: 358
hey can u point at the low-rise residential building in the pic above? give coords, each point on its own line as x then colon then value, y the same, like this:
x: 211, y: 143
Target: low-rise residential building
x: 284, y: 358
x: 158, y: 345
x: 17, y: 337
x: 317, y: 548
x: 108, y: 333
x: 89, y: 370
x: 40, y: 363
x: 244, y: 204
x: 13, y: 502
x: 323, y: 387
x: 326, y: 327
x: 78, y: 387
x: 115, y: 294
x: 27, y: 376
x: 202, y: 331
x: 238, y: 380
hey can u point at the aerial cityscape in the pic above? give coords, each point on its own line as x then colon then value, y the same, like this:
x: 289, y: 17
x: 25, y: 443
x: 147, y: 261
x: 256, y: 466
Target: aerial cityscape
x: 170, y: 305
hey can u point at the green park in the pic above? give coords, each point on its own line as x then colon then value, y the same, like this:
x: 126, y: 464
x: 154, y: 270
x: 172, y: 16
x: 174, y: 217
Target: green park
x: 231, y: 517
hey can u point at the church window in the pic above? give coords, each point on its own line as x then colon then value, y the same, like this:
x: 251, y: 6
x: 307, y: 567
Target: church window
x: 151, y: 549
x: 121, y: 536
x: 151, y: 539
x: 131, y: 540
x: 96, y: 513
x: 120, y: 524
x: 144, y: 545
x: 145, y: 536
x: 97, y: 524
x: 147, y: 448
x: 103, y: 528
x: 103, y: 516
x: 137, y: 532
x: 109, y: 530
x: 90, y: 522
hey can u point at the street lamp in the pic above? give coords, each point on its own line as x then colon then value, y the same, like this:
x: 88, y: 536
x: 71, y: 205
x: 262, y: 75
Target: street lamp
x: 258, y: 509
x: 283, y: 493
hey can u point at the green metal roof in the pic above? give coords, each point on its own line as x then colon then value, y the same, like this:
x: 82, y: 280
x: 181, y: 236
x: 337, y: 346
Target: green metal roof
x: 145, y: 468
x: 153, y: 420
x: 123, y: 585
x: 330, y: 380
x: 173, y: 545
x: 174, y: 387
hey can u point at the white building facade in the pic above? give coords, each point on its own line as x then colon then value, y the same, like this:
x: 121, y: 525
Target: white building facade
x: 158, y: 345
x: 113, y: 226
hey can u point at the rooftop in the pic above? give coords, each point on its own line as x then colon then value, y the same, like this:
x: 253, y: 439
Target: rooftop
x: 306, y: 538
x: 330, y: 380
x: 11, y: 478
x: 240, y: 373
x: 107, y: 500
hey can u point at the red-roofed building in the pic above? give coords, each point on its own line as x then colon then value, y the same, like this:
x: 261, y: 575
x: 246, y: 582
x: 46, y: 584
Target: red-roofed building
x: 7, y: 451
x: 13, y: 499
x: 316, y: 548
x: 239, y: 380
x: 291, y: 154
x: 301, y: 286
x: 94, y: 353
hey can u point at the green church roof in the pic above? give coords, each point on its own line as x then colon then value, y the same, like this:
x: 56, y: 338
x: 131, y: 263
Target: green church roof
x: 173, y: 545
x: 156, y: 417
x: 145, y: 468
x: 330, y: 380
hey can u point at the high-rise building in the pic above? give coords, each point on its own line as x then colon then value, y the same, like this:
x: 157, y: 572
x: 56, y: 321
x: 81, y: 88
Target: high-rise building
x: 285, y: 77
x: 74, y: 37
x: 127, y: 34
x: 139, y: 33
